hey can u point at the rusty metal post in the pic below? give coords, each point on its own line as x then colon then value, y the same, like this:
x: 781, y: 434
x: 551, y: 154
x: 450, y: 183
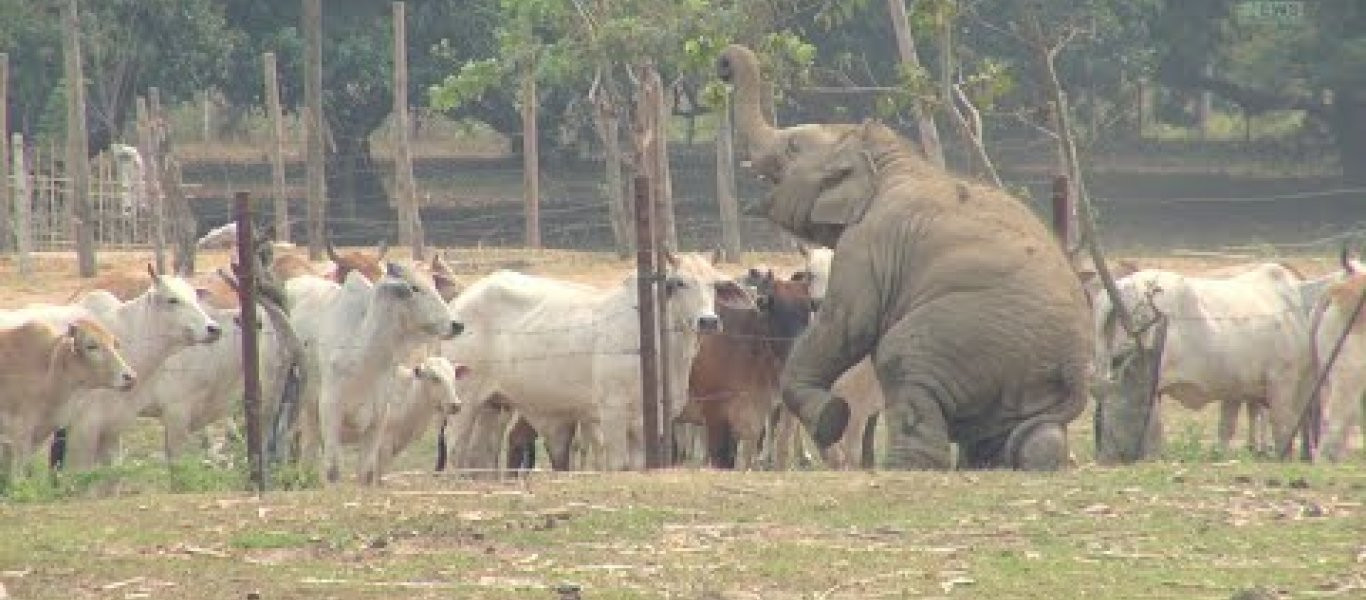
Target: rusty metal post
x: 251, y: 364
x: 1062, y: 212
x: 663, y: 436
x: 645, y: 296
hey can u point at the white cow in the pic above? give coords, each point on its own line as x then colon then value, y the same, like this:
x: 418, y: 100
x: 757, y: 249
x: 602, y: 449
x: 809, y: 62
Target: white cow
x: 566, y: 355
x: 150, y: 327
x: 353, y: 335
x: 1240, y: 340
x: 44, y: 368
x: 198, y: 385
x: 412, y: 400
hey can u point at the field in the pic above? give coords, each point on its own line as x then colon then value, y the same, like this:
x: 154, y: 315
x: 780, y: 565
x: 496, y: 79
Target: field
x: 1194, y: 525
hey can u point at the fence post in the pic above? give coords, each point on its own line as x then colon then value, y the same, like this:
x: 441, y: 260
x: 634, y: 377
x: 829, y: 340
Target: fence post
x: 313, y: 126
x: 251, y: 365
x: 6, y: 202
x: 725, y: 184
x: 409, y: 218
x: 277, y: 151
x: 77, y: 167
x: 1062, y: 212
x: 649, y: 359
x: 151, y: 161
x: 23, y: 215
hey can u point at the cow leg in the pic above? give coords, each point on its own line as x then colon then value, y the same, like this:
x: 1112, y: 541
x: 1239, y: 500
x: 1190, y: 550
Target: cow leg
x: 559, y: 438
x: 1342, y: 408
x: 372, y: 442
x: 521, y: 446
x: 1228, y: 422
x: 720, y: 444
x: 329, y: 436
x: 868, y: 456
x: 177, y: 433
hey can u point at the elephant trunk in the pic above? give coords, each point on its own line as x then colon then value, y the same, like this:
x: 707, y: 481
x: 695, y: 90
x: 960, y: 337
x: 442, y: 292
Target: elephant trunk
x: 739, y: 66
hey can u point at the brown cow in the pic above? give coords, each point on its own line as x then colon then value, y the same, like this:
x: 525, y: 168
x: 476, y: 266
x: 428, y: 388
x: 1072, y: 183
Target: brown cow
x: 733, y: 381
x: 44, y: 368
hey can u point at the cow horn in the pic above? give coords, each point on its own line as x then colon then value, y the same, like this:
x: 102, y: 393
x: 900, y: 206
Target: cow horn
x: 331, y: 250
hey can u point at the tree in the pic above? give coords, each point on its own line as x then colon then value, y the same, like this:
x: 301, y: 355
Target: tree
x: 179, y: 46
x: 357, y: 71
x: 1313, y: 60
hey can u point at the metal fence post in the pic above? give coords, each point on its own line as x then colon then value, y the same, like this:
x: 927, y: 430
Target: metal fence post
x: 251, y: 365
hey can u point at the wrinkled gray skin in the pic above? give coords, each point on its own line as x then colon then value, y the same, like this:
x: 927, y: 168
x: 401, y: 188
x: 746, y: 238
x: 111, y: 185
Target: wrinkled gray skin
x: 977, y: 326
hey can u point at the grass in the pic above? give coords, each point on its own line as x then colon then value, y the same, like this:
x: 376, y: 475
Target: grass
x: 1153, y: 530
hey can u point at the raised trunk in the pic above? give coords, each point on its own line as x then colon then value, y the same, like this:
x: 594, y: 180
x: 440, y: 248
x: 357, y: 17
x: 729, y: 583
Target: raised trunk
x: 740, y: 66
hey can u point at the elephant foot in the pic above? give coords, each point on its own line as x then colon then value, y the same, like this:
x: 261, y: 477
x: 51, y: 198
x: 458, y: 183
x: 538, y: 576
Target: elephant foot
x: 1038, y: 446
x: 826, y: 422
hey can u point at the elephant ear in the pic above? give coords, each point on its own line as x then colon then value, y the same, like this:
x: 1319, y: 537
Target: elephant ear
x: 846, y: 183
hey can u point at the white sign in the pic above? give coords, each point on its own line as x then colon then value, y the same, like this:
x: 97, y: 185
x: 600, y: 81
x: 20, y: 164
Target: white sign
x: 1271, y: 11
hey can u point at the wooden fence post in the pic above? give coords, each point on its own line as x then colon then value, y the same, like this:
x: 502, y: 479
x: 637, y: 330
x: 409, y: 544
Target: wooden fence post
x: 409, y: 218
x: 77, y: 166
x: 6, y: 200
x: 277, y: 151
x: 725, y: 184
x: 313, y: 125
x: 251, y: 363
x: 151, y: 163
x: 645, y: 296
x: 531, y: 165
x: 23, y: 215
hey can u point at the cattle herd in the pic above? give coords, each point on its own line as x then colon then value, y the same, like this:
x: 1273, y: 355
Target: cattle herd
x: 387, y: 350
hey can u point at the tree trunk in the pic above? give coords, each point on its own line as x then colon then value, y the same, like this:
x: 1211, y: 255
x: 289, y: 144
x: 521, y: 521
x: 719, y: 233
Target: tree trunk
x: 905, y: 46
x: 1348, y: 115
x: 353, y: 176
x: 725, y: 185
x: 607, y: 123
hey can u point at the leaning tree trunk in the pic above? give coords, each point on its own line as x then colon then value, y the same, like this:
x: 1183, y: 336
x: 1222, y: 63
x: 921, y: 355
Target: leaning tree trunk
x: 607, y: 123
x: 1348, y: 121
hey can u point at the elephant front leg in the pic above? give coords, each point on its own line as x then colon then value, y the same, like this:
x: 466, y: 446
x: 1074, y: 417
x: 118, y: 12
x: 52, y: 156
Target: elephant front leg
x: 917, y: 433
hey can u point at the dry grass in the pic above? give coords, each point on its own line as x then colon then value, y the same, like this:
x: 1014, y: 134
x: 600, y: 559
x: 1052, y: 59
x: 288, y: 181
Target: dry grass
x: 1194, y: 526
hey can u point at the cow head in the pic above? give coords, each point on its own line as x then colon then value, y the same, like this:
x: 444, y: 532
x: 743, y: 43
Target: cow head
x: 438, y: 375
x: 1127, y: 424
x: 413, y: 300
x: 786, y: 306
x: 695, y: 287
x: 97, y: 352
x: 175, y: 310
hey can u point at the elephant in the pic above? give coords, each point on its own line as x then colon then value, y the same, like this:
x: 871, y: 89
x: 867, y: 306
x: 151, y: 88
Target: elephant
x: 975, y: 321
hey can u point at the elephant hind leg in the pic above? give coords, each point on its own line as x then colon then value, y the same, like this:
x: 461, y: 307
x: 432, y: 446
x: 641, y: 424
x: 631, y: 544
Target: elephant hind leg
x: 1037, y: 445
